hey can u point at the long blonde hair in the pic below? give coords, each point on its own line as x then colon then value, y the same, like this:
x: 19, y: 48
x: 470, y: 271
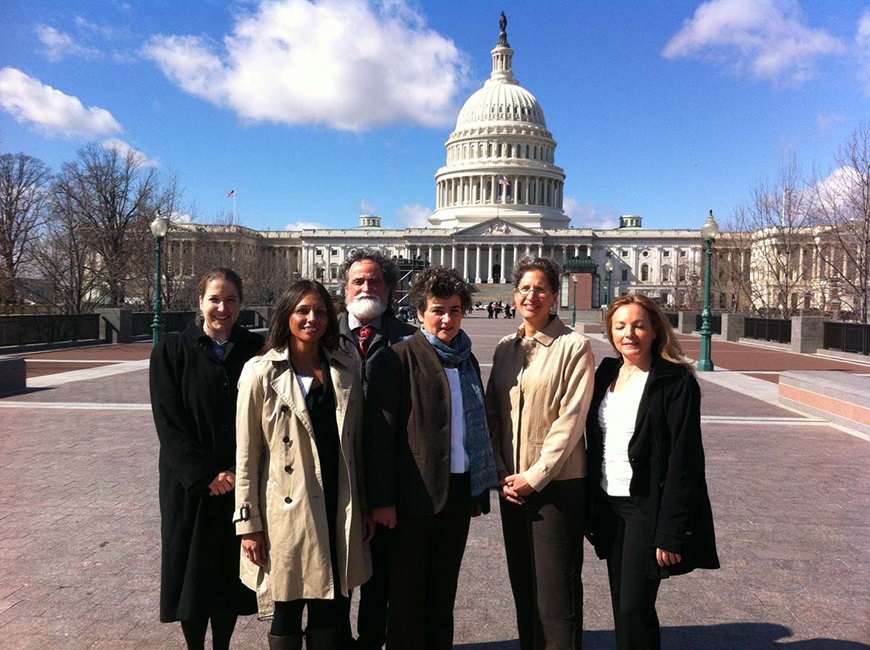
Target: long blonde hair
x: 665, y: 342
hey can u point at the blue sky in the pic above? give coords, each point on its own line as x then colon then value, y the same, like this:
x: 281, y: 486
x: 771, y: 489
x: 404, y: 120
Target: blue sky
x: 317, y: 111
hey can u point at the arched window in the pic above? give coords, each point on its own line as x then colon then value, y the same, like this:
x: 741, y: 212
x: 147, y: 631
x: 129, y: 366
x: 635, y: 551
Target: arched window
x: 644, y: 272
x: 666, y: 273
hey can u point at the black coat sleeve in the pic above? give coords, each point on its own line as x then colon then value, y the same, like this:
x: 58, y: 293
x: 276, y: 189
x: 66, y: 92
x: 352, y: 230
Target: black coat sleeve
x: 684, y: 479
x: 180, y: 446
x: 383, y: 421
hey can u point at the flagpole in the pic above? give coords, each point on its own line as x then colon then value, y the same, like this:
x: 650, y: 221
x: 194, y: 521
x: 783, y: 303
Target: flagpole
x: 234, y: 208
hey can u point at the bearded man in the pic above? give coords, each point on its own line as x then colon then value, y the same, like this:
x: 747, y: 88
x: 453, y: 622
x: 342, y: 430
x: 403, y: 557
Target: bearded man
x: 367, y: 327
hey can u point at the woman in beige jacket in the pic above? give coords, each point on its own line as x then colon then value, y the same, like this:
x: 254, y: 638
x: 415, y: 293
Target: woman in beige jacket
x: 298, y: 500
x: 537, y: 398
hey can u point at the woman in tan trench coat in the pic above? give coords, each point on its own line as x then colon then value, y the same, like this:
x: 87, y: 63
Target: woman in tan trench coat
x: 298, y: 504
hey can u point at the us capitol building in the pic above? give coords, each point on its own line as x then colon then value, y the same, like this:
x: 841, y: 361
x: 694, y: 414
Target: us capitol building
x: 498, y: 197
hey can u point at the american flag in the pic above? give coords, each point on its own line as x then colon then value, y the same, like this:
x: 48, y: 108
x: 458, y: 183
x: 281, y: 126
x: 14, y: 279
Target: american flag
x: 231, y: 193
x: 502, y: 180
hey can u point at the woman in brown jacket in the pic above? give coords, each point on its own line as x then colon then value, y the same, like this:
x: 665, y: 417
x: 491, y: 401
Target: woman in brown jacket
x: 298, y: 498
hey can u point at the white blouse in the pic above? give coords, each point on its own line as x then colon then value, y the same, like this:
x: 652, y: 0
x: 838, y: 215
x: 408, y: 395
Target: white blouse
x: 617, y: 416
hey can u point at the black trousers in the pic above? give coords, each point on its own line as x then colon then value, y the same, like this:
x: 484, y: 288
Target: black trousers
x: 425, y: 556
x: 371, y: 624
x: 633, y: 590
x: 544, y: 547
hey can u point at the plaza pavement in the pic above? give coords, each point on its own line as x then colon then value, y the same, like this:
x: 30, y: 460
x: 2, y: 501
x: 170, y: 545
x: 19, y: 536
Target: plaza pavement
x: 79, y: 523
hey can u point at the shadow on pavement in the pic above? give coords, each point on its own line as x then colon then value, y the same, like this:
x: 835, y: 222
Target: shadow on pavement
x: 730, y: 636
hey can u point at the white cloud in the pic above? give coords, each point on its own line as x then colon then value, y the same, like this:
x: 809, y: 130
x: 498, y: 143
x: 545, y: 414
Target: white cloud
x: 365, y: 207
x: 49, y: 110
x: 862, y: 44
x: 59, y: 45
x: 347, y: 64
x: 588, y: 215
x: 838, y: 189
x: 414, y: 216
x: 305, y: 225
x: 766, y: 39
x: 124, y: 149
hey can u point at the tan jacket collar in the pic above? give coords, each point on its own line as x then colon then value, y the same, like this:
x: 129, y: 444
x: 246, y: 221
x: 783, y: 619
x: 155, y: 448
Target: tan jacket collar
x: 547, y: 335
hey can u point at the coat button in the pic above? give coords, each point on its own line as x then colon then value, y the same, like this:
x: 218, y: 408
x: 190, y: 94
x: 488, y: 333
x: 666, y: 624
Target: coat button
x: 288, y: 500
x: 287, y: 439
x: 288, y: 469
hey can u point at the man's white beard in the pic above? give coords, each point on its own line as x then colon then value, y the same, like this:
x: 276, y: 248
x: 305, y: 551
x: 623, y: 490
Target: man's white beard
x: 366, y: 307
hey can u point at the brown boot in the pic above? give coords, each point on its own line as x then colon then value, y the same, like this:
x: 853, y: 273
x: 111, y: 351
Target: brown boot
x: 289, y: 642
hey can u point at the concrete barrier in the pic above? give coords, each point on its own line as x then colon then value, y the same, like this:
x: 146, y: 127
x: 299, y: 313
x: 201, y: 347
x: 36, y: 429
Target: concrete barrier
x: 840, y: 397
x: 13, y: 374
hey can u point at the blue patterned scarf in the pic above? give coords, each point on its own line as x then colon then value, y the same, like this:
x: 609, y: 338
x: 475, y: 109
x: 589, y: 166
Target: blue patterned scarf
x: 478, y: 445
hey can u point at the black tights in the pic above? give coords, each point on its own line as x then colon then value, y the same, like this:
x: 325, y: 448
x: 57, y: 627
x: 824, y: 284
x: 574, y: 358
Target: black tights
x: 322, y: 614
x: 222, y: 627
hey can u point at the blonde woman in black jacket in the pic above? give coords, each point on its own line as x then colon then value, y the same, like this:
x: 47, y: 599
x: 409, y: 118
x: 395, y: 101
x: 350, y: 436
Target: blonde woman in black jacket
x: 652, y: 516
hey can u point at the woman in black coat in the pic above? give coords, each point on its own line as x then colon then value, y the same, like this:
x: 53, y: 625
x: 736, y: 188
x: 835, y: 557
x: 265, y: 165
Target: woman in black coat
x: 651, y: 517
x: 194, y: 377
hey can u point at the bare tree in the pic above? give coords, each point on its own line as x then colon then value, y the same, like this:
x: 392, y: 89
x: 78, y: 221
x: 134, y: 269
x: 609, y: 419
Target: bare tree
x: 24, y: 184
x: 64, y: 257
x: 842, y: 213
x: 775, y: 225
x: 113, y: 196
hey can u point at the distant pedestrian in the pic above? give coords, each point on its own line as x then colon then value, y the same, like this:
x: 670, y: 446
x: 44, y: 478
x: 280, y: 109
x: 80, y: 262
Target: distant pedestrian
x: 490, y: 310
x: 193, y: 377
x: 651, y: 516
x: 498, y: 308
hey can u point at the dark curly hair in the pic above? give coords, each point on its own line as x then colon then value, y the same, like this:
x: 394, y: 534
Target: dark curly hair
x: 279, y: 325
x: 439, y: 282
x: 388, y: 266
x: 548, y: 267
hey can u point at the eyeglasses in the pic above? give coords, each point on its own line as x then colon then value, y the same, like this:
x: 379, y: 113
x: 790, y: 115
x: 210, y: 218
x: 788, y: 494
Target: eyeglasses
x: 538, y: 291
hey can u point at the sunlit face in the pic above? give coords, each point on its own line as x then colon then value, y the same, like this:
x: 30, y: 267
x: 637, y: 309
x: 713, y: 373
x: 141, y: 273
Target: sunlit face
x: 366, y: 291
x: 220, y: 306
x: 309, y: 319
x: 535, y: 298
x: 443, y: 317
x: 632, y: 333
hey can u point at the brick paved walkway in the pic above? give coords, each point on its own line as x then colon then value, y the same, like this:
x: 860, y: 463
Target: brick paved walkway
x: 79, y: 540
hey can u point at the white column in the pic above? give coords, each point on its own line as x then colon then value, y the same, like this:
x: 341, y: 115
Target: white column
x: 431, y: 261
x: 453, y: 255
x: 489, y: 276
x: 477, y: 263
x: 503, y: 263
x: 465, y: 261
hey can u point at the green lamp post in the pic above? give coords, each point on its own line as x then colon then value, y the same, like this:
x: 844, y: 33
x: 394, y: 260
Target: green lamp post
x: 608, y: 272
x: 709, y: 232
x: 159, y: 228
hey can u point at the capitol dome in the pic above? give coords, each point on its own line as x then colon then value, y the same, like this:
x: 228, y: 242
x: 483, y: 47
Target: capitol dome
x: 500, y: 157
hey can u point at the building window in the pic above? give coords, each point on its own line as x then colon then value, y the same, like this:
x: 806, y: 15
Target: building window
x: 684, y: 254
x: 644, y: 254
x: 625, y: 275
x: 334, y: 252
x: 319, y: 252
x: 644, y: 272
x: 666, y: 253
x: 623, y: 252
x: 666, y: 273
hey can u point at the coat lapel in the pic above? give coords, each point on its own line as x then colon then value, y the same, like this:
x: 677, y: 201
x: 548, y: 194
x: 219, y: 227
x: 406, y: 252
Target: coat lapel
x: 287, y: 388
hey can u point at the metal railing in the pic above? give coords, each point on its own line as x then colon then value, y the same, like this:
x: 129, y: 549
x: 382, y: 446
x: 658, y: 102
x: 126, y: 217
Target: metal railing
x: 173, y: 321
x: 847, y: 337
x: 767, y: 329
x: 48, y: 328
x: 715, y: 323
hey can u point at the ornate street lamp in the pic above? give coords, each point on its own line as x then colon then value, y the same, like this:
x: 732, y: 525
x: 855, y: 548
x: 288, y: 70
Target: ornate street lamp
x: 159, y: 228
x: 574, y: 301
x: 709, y: 232
x: 608, y: 269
